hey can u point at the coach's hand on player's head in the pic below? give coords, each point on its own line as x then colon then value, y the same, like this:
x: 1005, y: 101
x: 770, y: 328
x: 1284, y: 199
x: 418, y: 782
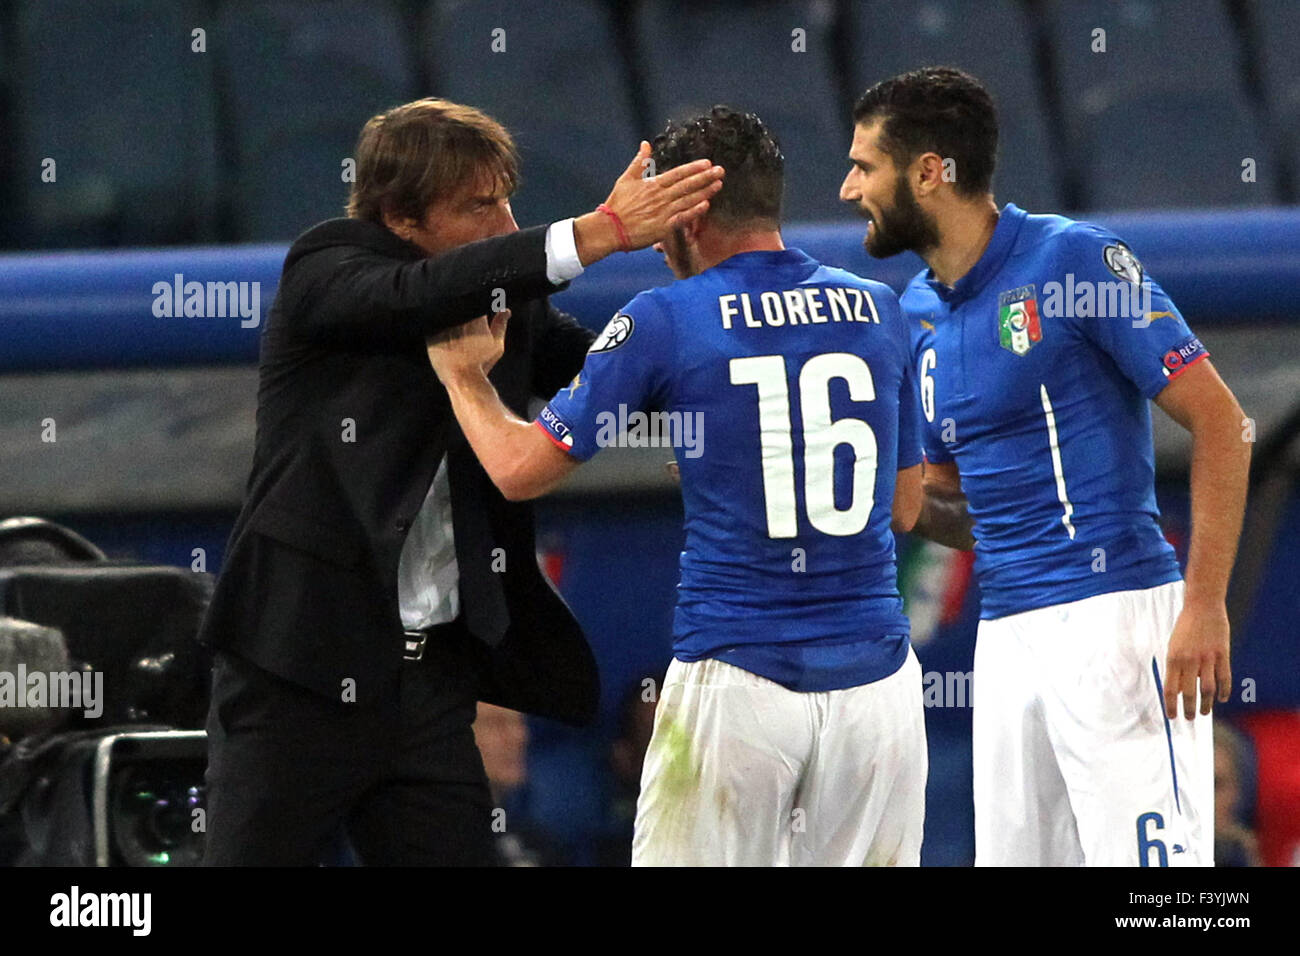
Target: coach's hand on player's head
x: 471, y: 348
x: 1198, y: 650
x: 647, y: 205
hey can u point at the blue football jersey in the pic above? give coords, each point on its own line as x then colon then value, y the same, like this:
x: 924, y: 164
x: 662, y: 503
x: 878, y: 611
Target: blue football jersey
x: 788, y: 393
x: 1035, y: 371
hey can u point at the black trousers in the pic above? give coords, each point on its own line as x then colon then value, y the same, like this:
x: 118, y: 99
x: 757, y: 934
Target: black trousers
x: 289, y: 770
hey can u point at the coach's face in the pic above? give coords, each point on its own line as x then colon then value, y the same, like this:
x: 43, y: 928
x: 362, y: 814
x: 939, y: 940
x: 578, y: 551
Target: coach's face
x: 478, y: 209
x: 880, y: 192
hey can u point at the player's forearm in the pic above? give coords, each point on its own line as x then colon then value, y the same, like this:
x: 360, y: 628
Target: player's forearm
x: 945, y: 519
x: 1219, y: 477
x: 499, y: 437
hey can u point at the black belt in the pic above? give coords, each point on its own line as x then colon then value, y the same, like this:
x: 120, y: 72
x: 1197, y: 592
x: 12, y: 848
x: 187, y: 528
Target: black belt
x: 416, y: 639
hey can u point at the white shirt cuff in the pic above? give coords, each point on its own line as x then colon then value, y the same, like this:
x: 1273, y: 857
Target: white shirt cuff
x: 562, y: 262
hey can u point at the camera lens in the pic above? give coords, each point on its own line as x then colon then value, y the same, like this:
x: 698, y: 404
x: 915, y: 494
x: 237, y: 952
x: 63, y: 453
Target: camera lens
x: 152, y: 817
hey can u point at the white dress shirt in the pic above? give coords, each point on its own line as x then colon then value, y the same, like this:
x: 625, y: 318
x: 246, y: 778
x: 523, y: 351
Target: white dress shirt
x: 562, y: 262
x: 427, y: 573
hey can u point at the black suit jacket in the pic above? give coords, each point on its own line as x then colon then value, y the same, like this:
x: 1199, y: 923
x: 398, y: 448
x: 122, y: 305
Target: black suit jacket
x: 351, y: 426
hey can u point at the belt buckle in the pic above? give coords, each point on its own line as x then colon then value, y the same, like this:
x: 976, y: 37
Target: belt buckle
x: 415, y: 641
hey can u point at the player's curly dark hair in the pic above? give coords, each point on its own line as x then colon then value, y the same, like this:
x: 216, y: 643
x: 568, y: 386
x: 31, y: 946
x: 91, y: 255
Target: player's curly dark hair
x: 937, y: 109
x: 744, y: 147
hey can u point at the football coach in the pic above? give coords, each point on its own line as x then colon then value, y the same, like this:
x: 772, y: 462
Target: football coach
x: 376, y: 584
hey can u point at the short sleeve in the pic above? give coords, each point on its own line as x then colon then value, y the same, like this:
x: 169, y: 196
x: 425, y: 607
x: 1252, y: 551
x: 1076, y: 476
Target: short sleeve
x: 909, y: 419
x: 625, y: 371
x: 922, y: 366
x: 909, y: 397
x: 1108, y: 296
x: 936, y: 451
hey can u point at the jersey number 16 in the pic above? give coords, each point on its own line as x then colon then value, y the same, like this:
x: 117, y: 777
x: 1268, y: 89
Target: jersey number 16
x: 821, y: 436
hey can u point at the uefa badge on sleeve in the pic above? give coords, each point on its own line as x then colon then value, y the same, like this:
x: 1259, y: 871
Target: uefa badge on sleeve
x: 1018, y: 326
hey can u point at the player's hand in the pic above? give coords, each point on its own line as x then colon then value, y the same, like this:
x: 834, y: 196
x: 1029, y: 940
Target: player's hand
x: 468, y: 349
x: 652, y: 206
x: 1198, y: 650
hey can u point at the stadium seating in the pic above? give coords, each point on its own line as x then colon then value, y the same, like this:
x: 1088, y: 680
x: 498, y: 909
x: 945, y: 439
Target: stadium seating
x: 999, y: 46
x: 9, y: 194
x: 337, y: 63
x: 1278, y: 31
x: 563, y: 93
x: 125, y: 110
x: 159, y: 144
x: 1160, y: 118
x: 799, y: 100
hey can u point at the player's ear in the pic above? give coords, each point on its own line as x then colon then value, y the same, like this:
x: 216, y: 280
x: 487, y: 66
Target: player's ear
x: 926, y: 173
x: 400, y: 225
x: 691, y: 231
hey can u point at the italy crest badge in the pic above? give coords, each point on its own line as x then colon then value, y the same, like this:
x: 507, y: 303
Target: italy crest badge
x: 1018, y: 326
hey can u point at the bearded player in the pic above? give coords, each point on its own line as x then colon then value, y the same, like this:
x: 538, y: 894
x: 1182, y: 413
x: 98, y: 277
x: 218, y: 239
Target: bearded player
x: 790, y: 727
x: 1039, y: 342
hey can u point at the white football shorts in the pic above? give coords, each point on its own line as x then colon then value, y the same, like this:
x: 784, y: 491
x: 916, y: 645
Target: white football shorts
x: 1075, y: 761
x: 741, y: 771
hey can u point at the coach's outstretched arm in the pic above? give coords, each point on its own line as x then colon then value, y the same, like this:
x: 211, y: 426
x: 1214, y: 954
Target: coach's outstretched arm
x: 518, y: 457
x: 361, y: 296
x: 1199, y: 646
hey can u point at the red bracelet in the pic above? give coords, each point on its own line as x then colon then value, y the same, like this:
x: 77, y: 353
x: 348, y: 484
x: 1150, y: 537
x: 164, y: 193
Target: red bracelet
x: 623, y: 241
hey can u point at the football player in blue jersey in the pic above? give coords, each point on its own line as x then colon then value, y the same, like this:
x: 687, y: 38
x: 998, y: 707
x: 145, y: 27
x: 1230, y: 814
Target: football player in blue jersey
x: 1039, y: 343
x: 790, y: 728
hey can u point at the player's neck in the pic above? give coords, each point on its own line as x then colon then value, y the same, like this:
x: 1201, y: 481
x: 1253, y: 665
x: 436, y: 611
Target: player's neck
x: 725, y: 245
x: 963, y: 237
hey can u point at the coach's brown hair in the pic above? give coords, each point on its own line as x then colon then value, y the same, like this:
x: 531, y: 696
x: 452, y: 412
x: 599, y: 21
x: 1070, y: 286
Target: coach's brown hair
x: 415, y: 154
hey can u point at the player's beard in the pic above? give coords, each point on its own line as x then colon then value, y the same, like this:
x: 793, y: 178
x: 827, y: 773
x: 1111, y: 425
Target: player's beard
x: 902, y: 227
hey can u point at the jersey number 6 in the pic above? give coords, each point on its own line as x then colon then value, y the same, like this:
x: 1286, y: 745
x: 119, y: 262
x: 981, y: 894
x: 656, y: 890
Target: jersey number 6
x: 820, y: 438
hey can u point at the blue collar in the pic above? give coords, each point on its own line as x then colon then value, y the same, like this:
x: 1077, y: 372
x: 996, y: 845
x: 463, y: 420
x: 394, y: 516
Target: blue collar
x: 768, y: 259
x: 968, y: 286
